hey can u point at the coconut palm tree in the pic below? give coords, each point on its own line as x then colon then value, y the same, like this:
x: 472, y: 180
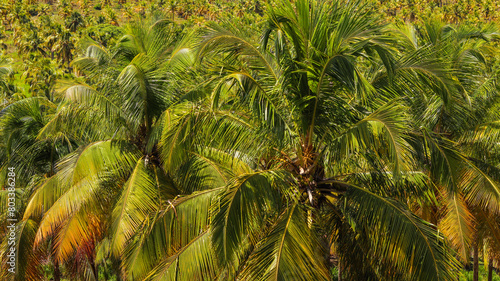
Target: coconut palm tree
x: 74, y: 21
x: 455, y: 110
x: 64, y: 46
x: 34, y: 159
x: 113, y: 163
x: 310, y: 156
x: 6, y: 87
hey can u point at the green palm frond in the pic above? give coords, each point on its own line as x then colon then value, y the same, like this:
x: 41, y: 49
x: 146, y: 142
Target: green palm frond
x: 458, y: 225
x: 44, y: 197
x: 241, y: 214
x: 267, y: 108
x: 219, y: 129
x: 382, y: 131
x: 94, y: 59
x: 79, y: 113
x: 445, y: 159
x: 411, y: 184
x: 141, y: 196
x: 27, y: 259
x: 224, y: 164
x: 413, y: 245
x: 480, y: 188
x: 176, y: 225
x: 289, y: 251
x: 141, y: 92
x: 86, y: 95
x: 95, y: 164
x: 192, y: 262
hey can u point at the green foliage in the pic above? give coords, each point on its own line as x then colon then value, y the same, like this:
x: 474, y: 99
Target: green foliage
x: 250, y: 140
x: 467, y: 275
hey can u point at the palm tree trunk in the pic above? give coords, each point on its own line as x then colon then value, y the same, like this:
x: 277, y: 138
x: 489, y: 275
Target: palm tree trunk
x: 94, y: 269
x: 490, y: 269
x: 340, y: 270
x: 57, y: 272
x: 476, y: 262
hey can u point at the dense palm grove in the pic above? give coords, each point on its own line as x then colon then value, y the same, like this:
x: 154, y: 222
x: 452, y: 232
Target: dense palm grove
x: 251, y: 140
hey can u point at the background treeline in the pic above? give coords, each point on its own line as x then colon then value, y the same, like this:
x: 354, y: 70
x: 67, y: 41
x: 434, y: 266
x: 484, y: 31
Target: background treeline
x: 40, y: 38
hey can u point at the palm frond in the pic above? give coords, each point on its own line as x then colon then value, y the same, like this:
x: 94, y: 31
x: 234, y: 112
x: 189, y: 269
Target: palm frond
x: 382, y: 131
x: 174, y: 227
x: 458, y: 225
x: 243, y: 205
x: 141, y: 196
x: 288, y: 252
x: 194, y: 261
x: 413, y: 245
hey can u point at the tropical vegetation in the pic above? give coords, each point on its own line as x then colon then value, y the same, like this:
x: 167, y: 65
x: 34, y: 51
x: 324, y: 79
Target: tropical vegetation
x: 250, y: 140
